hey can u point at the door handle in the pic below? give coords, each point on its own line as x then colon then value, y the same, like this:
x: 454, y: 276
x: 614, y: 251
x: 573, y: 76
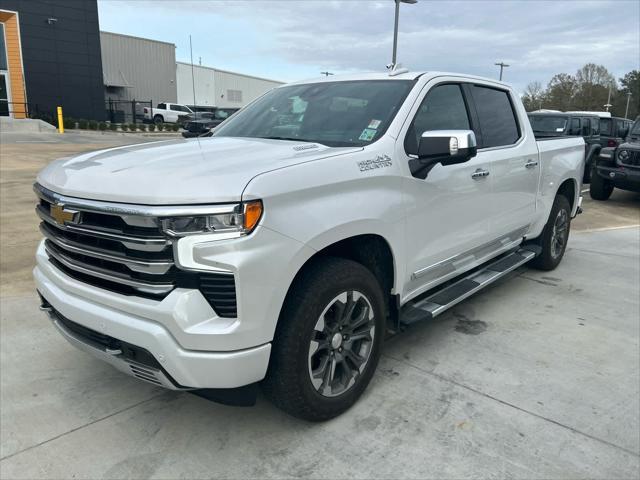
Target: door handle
x: 480, y: 173
x: 531, y: 164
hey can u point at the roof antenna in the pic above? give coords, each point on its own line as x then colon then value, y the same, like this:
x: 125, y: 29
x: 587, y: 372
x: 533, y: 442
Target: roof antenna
x: 193, y: 80
x: 396, y: 69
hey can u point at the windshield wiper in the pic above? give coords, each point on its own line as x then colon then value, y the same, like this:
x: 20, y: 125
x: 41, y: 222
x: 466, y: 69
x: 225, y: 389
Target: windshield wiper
x: 291, y: 139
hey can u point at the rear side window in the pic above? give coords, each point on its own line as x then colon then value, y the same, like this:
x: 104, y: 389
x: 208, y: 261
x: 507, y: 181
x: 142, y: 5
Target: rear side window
x: 162, y: 106
x: 442, y: 109
x: 605, y: 126
x: 586, y: 127
x: 498, y: 122
x: 595, y: 126
x: 575, y: 126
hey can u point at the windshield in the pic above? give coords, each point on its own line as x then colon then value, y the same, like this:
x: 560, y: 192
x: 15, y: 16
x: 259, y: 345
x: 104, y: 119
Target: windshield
x: 548, y: 123
x: 337, y: 114
x: 635, y: 129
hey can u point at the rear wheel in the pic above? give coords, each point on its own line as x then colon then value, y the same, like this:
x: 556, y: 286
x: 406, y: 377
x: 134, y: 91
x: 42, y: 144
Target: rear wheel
x: 599, y: 188
x: 555, y: 235
x: 158, y: 119
x: 328, y: 340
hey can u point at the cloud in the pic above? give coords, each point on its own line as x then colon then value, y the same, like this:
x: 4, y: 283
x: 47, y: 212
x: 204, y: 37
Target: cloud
x: 300, y: 38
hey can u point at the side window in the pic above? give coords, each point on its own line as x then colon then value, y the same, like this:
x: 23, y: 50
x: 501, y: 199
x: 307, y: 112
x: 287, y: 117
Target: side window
x: 586, y: 127
x: 443, y: 108
x: 162, y: 106
x: 575, y: 126
x: 595, y: 126
x: 498, y: 122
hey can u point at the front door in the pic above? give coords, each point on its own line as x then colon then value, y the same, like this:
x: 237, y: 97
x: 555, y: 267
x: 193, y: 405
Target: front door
x: 446, y: 213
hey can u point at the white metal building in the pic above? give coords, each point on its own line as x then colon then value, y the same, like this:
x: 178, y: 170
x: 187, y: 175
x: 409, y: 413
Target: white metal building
x: 218, y: 88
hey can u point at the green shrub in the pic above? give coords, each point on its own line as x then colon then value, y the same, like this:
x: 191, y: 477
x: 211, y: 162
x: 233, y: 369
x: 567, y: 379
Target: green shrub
x: 151, y: 127
x: 93, y: 125
x: 175, y: 127
x: 82, y: 123
x: 69, y: 123
x: 124, y: 127
x: 113, y: 127
x: 102, y: 126
x: 133, y: 127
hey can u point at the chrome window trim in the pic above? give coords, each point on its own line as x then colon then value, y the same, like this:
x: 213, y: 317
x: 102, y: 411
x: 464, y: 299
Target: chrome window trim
x: 127, y: 209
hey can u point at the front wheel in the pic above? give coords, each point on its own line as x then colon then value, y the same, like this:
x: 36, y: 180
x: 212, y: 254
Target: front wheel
x: 328, y: 341
x: 555, y: 235
x: 599, y: 188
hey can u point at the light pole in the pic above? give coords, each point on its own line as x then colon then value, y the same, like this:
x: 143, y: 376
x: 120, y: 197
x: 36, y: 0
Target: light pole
x: 626, y: 110
x: 395, y: 30
x: 502, y: 67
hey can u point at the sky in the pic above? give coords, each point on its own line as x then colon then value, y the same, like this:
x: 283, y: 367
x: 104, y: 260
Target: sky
x: 291, y: 40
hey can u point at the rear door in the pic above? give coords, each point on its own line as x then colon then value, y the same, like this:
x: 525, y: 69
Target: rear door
x: 512, y: 155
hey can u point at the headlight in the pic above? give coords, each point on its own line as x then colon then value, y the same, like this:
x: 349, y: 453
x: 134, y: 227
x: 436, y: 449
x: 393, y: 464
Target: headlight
x: 240, y: 219
x: 623, y: 155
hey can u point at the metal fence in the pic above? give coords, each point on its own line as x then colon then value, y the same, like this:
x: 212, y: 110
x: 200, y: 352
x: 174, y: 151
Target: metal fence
x: 26, y: 110
x: 126, y: 111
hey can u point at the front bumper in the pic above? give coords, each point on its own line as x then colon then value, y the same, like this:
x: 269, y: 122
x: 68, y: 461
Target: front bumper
x: 180, y: 367
x: 621, y: 177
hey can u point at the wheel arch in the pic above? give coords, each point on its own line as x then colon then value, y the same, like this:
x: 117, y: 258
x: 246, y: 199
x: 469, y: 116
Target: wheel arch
x: 571, y: 191
x: 371, y: 250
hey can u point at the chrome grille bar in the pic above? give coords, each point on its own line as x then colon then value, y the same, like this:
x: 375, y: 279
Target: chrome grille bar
x: 149, y: 244
x: 78, y: 266
x: 157, y: 267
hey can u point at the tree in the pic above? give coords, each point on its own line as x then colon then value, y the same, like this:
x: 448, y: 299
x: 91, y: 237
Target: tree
x: 595, y: 86
x: 630, y: 83
x: 534, y: 96
x: 561, y: 90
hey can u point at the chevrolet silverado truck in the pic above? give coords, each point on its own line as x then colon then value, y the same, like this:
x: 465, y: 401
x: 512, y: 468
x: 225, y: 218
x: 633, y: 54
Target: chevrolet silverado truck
x: 617, y: 167
x: 282, y: 250
x: 166, y: 113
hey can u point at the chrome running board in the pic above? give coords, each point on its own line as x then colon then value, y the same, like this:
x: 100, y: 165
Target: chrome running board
x: 425, y: 308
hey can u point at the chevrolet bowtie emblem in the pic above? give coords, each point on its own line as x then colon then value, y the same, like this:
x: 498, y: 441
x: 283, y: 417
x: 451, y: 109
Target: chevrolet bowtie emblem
x: 62, y: 216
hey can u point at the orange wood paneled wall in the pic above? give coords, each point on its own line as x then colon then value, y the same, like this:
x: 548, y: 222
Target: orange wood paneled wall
x: 14, y: 59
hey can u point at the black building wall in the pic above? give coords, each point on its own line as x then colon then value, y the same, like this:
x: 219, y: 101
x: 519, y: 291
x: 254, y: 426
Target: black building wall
x: 62, y: 61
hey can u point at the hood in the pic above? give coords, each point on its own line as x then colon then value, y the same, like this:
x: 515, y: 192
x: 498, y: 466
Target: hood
x: 174, y: 172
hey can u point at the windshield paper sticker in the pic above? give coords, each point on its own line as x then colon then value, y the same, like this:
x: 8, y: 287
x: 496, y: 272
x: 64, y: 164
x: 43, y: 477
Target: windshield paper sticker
x: 381, y: 161
x: 367, y: 134
x: 374, y: 124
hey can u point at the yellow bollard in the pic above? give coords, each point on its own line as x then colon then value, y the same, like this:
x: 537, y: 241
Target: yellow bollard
x: 60, y: 122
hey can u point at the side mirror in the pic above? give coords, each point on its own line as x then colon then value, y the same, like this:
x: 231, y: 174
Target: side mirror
x: 447, y: 147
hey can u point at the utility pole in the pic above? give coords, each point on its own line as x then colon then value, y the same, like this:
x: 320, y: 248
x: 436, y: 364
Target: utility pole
x: 394, y: 56
x: 608, y: 105
x: 326, y: 74
x: 626, y: 110
x: 502, y: 67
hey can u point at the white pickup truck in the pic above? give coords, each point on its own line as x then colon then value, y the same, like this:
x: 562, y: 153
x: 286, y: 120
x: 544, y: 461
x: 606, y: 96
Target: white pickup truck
x: 166, y: 113
x: 283, y: 249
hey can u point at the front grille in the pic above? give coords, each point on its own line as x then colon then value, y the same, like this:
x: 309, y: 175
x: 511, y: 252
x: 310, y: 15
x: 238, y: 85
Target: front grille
x: 633, y: 160
x: 123, y: 251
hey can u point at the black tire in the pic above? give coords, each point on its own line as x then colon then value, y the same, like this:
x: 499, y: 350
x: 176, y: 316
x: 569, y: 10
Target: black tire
x: 599, y: 188
x: 555, y: 236
x: 158, y: 119
x: 288, y: 383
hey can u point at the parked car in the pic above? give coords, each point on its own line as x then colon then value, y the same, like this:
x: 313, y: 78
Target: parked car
x: 613, y: 131
x: 585, y: 125
x: 201, y: 123
x: 166, y: 113
x: 282, y: 249
x: 618, y: 167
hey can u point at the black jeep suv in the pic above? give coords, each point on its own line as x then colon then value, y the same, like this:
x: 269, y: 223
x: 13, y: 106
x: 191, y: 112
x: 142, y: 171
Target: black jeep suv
x: 617, y: 167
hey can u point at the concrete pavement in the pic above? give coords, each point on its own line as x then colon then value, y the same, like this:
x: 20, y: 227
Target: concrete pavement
x: 535, y: 378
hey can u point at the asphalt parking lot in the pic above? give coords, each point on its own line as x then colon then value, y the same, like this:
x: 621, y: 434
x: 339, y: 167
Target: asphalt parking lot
x: 536, y: 377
